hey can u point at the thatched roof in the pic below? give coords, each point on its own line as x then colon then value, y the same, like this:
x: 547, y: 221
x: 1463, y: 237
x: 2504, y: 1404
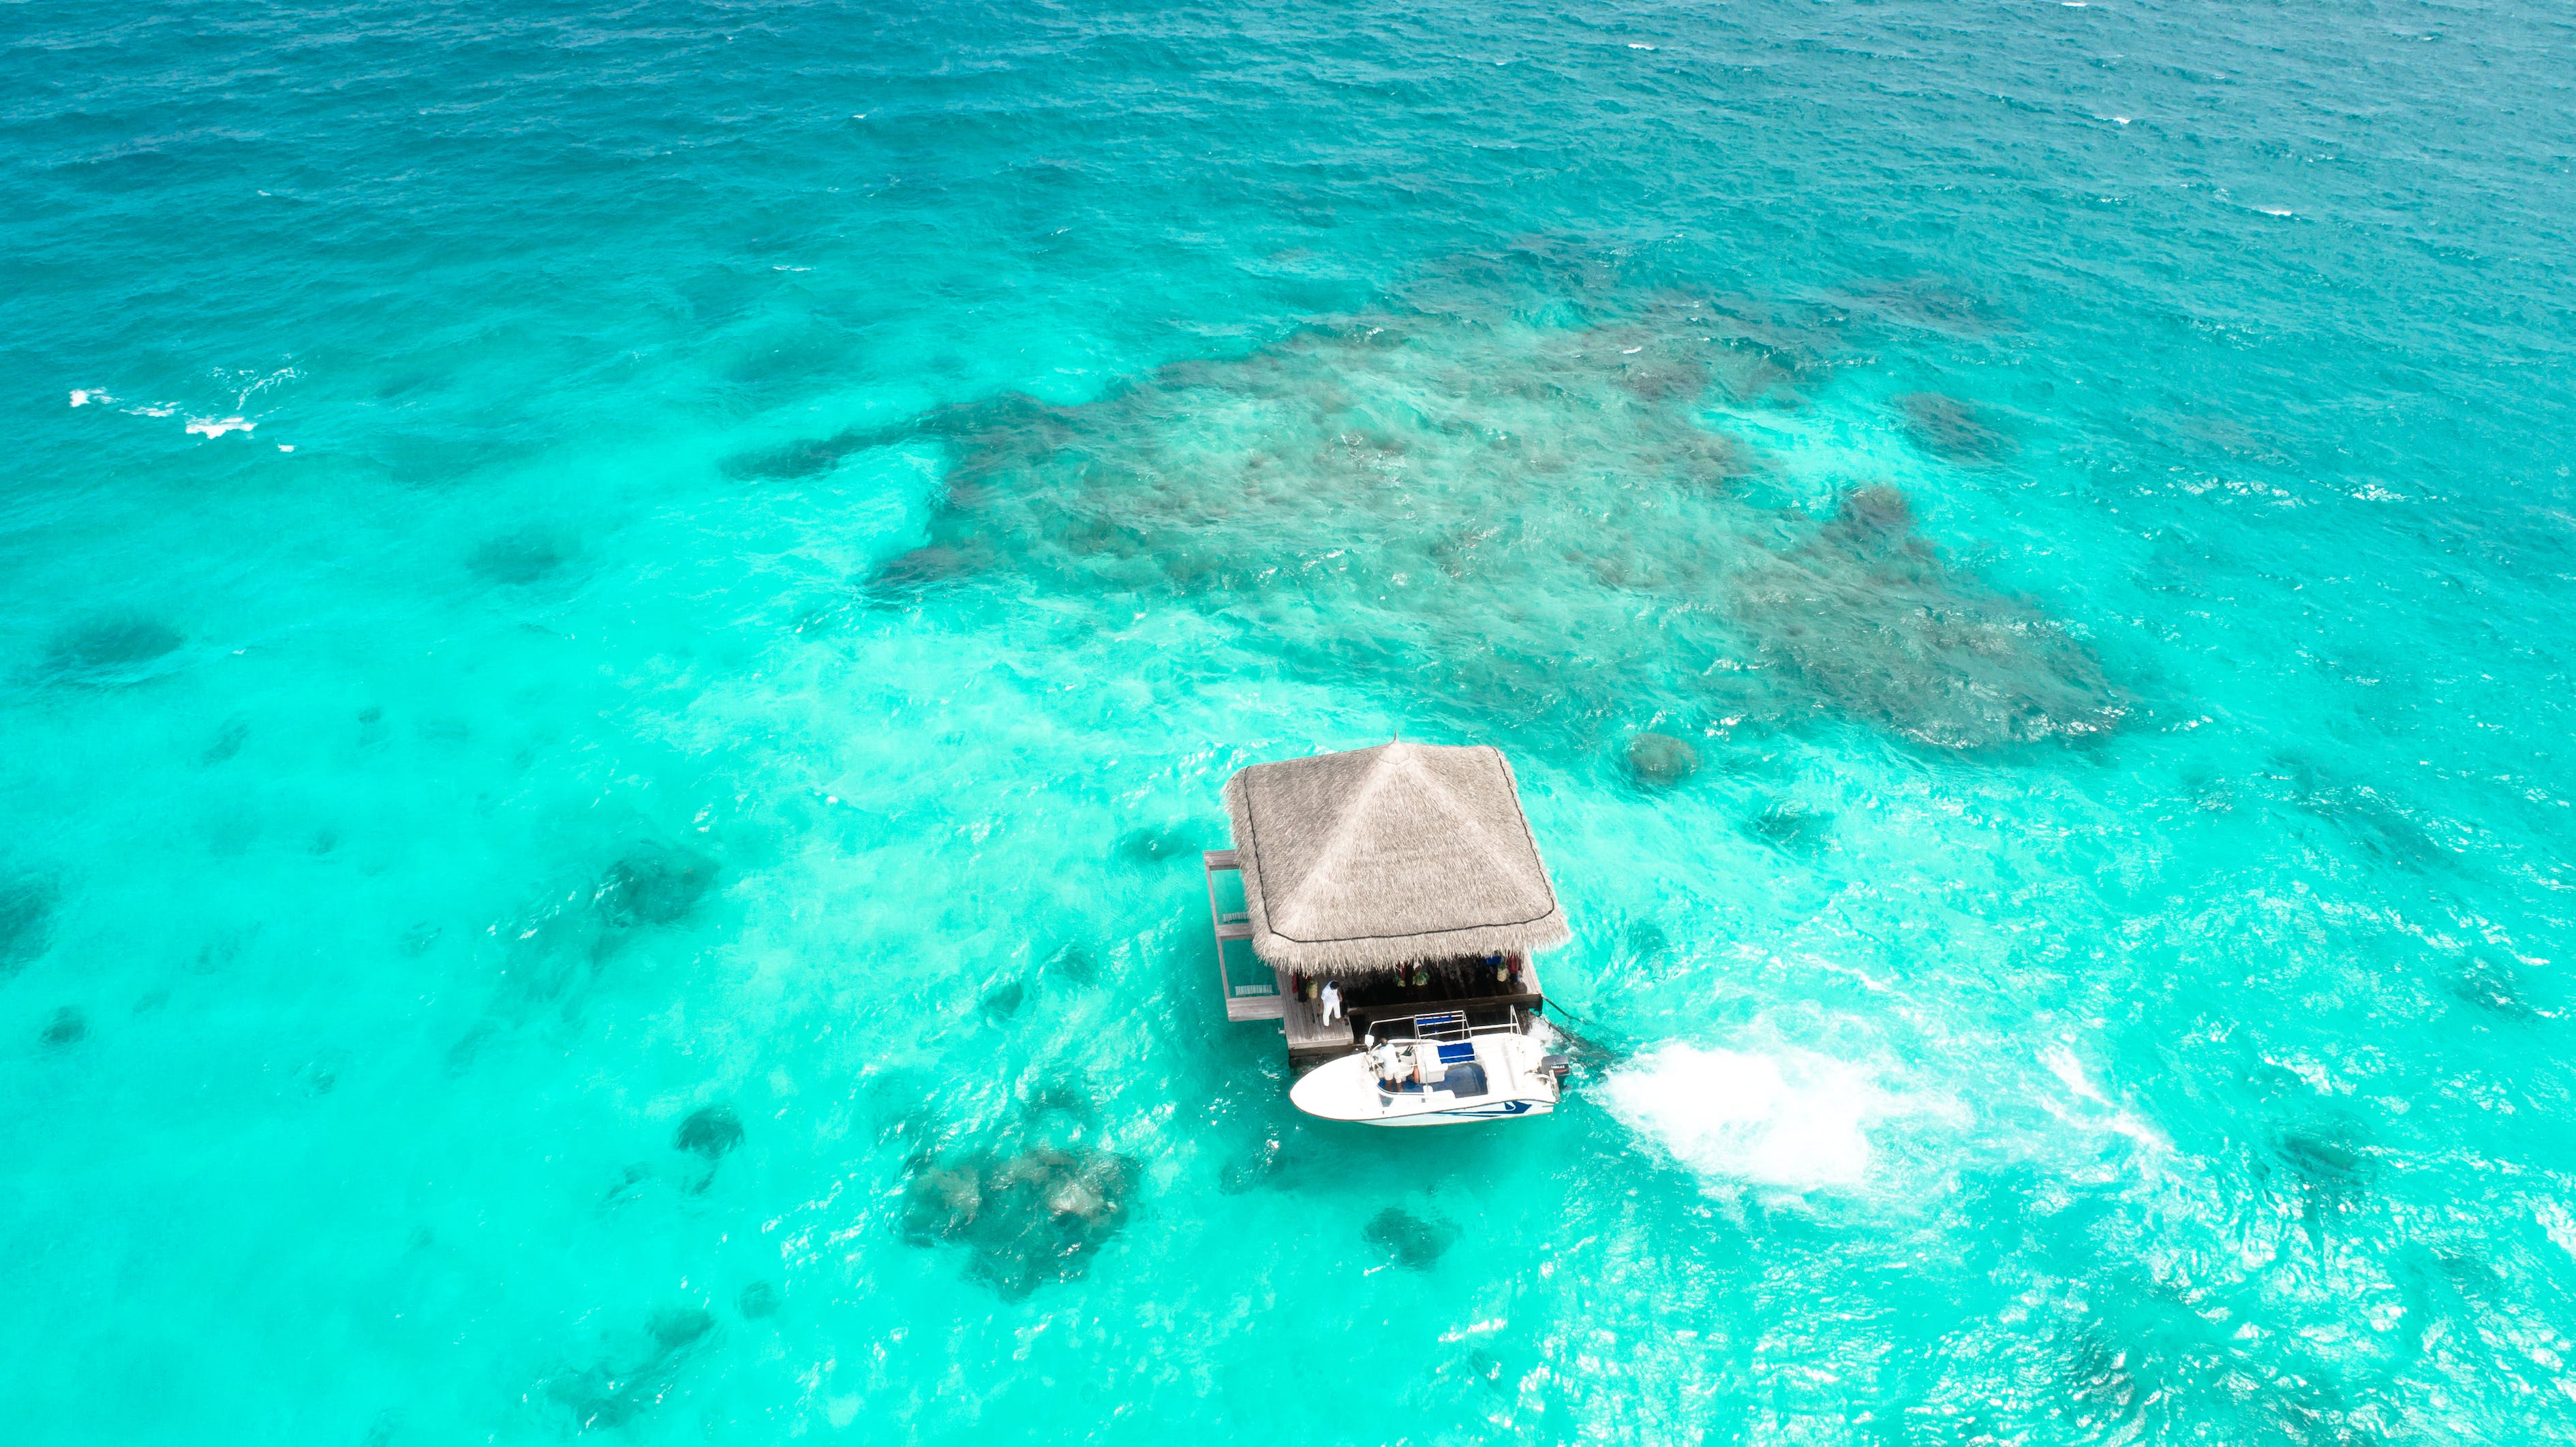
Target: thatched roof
x: 1357, y: 863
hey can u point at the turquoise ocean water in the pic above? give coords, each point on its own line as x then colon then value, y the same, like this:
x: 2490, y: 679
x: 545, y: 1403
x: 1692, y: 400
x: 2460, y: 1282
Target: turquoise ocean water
x: 621, y: 623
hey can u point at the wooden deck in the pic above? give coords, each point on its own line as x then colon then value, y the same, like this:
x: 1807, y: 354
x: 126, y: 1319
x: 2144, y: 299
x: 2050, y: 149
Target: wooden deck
x: 1309, y: 1038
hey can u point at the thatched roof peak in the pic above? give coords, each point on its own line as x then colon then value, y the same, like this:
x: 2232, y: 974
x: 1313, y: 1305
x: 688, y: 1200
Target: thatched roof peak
x: 1359, y: 862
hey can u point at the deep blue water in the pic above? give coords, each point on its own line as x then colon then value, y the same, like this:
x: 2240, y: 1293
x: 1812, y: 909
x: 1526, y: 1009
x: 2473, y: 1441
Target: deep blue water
x: 621, y: 623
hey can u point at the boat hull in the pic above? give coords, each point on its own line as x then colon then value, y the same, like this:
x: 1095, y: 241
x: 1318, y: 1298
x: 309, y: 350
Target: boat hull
x: 1497, y: 1077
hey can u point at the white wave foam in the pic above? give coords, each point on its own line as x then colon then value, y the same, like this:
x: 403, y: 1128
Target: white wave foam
x: 249, y: 382
x: 2061, y: 1062
x: 218, y: 426
x: 1795, y: 1119
x: 83, y: 396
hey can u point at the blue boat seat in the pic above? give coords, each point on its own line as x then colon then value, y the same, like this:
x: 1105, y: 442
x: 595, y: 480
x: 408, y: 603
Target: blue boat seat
x: 1452, y: 1054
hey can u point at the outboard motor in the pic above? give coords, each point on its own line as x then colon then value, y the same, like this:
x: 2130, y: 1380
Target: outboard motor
x: 1556, y: 1067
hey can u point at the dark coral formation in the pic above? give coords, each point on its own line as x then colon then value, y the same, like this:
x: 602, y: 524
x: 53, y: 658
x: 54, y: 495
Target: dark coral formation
x: 227, y: 742
x: 2496, y: 987
x: 1154, y: 846
x: 26, y: 922
x: 1949, y: 428
x: 1659, y: 761
x: 655, y: 884
x: 518, y: 559
x: 1075, y: 965
x: 2325, y: 1168
x: 710, y: 1133
x: 1868, y: 614
x: 1028, y: 1218
x: 1413, y: 1242
x: 2382, y: 829
x: 1254, y: 1166
x: 551, y: 953
x: 1004, y: 999
x: 103, y: 652
x: 637, y: 1374
x: 1791, y: 828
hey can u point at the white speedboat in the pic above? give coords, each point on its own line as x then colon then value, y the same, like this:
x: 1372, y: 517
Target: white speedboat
x: 1438, y: 1070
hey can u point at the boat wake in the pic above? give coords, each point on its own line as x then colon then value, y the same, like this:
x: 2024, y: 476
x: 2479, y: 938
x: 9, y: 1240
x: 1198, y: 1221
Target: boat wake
x: 1794, y: 1119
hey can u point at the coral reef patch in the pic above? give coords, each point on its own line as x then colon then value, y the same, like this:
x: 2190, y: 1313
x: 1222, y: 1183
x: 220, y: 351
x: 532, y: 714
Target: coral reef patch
x: 1534, y: 524
x: 1027, y: 1217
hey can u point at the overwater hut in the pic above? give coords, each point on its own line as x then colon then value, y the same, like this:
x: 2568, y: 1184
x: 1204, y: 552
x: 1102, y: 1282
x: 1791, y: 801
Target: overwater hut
x: 1404, y: 877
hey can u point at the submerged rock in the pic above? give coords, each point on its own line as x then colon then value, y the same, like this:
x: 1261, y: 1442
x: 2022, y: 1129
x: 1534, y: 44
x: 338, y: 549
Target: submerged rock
x: 227, y: 742
x: 1949, y: 428
x: 1414, y: 1243
x: 906, y: 577
x: 517, y: 559
x: 2494, y: 987
x: 2383, y: 829
x: 1004, y: 1000
x: 637, y: 1374
x: 2324, y: 1167
x: 653, y: 885
x: 108, y: 651
x: 1659, y: 761
x: 793, y: 460
x: 1076, y: 964
x: 1254, y: 1167
x: 26, y: 922
x: 1153, y: 846
x: 757, y: 1300
x: 68, y: 1027
x: 711, y: 1132
x: 629, y: 1184
x: 1797, y: 830
x: 679, y: 1327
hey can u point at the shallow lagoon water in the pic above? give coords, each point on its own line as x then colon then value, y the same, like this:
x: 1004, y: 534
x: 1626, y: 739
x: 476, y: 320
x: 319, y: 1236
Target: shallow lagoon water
x: 622, y: 625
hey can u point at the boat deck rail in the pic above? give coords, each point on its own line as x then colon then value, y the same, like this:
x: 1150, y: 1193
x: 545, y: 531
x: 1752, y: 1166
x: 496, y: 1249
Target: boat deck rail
x: 1446, y: 1025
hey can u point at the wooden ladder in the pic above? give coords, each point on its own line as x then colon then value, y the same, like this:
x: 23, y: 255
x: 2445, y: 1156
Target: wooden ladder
x: 1264, y: 1000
